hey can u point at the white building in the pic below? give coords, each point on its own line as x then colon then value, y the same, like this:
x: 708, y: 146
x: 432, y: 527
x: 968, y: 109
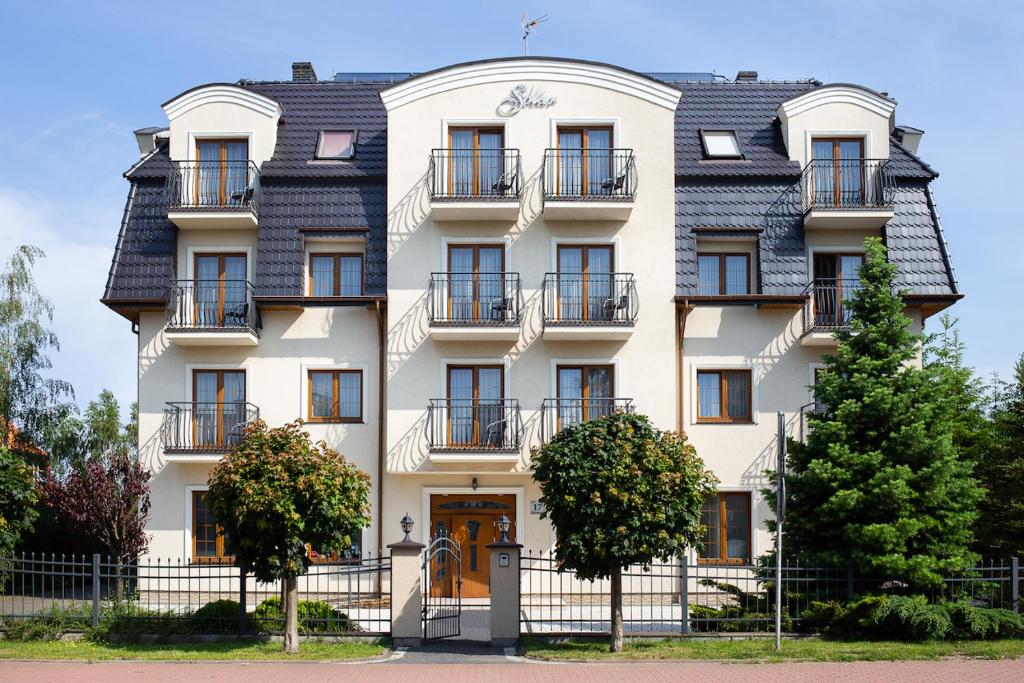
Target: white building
x: 436, y: 271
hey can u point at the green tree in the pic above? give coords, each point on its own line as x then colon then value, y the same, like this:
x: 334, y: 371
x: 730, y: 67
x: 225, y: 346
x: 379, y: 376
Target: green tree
x: 1001, y: 470
x: 620, y: 493
x: 29, y: 399
x: 99, y: 435
x: 878, y: 484
x: 18, y: 496
x: 275, y: 494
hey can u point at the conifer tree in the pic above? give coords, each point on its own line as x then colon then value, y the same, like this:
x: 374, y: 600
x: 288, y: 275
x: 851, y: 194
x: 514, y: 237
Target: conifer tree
x: 878, y: 485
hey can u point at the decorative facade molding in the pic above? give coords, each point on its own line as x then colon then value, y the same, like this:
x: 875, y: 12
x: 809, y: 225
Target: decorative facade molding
x: 840, y: 93
x: 221, y: 93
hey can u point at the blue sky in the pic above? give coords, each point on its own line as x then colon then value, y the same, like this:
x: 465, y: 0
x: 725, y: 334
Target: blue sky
x: 79, y: 77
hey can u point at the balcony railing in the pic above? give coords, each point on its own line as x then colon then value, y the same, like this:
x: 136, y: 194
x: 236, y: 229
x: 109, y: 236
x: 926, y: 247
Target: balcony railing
x: 213, y: 186
x: 589, y: 299
x: 205, y: 427
x: 558, y: 413
x: 475, y: 299
x: 474, y: 424
x: 208, y: 305
x: 828, y: 304
x: 475, y: 174
x: 847, y: 184
x: 592, y: 174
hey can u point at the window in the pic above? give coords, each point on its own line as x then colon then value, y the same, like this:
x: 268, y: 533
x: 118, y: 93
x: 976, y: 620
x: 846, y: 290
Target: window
x: 476, y: 165
x: 586, y: 283
x: 336, y: 144
x: 222, y: 173
x: 219, y: 411
x: 720, y: 144
x: 839, y: 171
x: 726, y: 521
x: 584, y: 393
x: 723, y: 396
x: 207, y: 537
x: 475, y: 405
x: 221, y: 291
x: 836, y: 280
x: 586, y: 161
x: 723, y: 274
x: 476, y: 282
x: 336, y: 274
x: 335, y: 396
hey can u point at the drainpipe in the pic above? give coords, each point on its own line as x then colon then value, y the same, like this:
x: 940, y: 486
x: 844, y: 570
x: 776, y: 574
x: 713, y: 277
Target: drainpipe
x: 681, y: 312
x: 382, y: 312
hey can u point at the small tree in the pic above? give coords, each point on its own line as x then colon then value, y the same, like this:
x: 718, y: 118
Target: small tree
x: 107, y: 500
x: 878, y: 484
x: 1001, y: 470
x: 18, y: 496
x: 277, y: 493
x: 620, y: 493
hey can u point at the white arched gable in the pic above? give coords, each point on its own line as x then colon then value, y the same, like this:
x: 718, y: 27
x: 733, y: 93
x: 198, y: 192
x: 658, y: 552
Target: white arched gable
x: 221, y: 93
x: 838, y: 94
x: 531, y: 70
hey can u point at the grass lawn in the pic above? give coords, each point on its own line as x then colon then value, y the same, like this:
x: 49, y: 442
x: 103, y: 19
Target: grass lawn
x: 82, y: 649
x: 763, y: 649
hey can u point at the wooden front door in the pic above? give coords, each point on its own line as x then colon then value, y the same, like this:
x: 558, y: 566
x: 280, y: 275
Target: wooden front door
x: 472, y: 521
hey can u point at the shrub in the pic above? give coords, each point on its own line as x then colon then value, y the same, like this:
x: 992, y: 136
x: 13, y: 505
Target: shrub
x: 220, y: 616
x: 910, y: 618
x: 972, y: 623
x: 821, y: 617
x: 315, y: 616
x: 50, y: 624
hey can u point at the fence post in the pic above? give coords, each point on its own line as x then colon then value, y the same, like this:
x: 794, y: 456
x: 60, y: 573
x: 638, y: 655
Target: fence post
x: 504, y: 592
x: 406, y: 593
x: 849, y: 582
x: 684, y: 593
x: 1015, y: 583
x: 242, y: 598
x: 95, y: 590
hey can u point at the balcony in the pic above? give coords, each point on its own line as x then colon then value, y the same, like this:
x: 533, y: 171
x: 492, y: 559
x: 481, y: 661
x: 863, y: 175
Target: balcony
x: 474, y: 430
x: 827, y: 310
x: 211, y: 313
x: 475, y: 184
x: 474, y: 306
x: 203, y: 432
x: 204, y: 195
x: 589, y: 306
x: 592, y: 184
x: 847, y: 193
x: 558, y: 413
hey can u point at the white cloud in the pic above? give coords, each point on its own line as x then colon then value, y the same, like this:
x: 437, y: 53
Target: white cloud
x: 98, y: 349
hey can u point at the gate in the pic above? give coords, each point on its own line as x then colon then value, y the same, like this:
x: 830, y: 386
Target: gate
x: 442, y: 589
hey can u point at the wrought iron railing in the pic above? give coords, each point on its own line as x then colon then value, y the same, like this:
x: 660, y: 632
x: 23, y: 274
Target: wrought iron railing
x: 598, y: 174
x: 558, y: 413
x: 589, y: 299
x: 828, y: 307
x: 213, y: 186
x: 847, y: 184
x: 474, y: 424
x: 205, y: 426
x: 486, y: 174
x: 203, y: 305
x: 475, y: 299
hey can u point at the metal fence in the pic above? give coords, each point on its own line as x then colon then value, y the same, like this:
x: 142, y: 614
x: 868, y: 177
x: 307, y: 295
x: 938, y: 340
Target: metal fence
x: 579, y: 299
x: 598, y: 174
x: 232, y: 185
x: 681, y: 598
x: 345, y: 597
x: 475, y: 174
x: 475, y: 299
x: 847, y: 184
x: 211, y: 305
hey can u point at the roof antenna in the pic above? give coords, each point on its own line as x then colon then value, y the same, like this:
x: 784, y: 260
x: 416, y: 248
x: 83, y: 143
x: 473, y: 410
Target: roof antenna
x: 529, y: 26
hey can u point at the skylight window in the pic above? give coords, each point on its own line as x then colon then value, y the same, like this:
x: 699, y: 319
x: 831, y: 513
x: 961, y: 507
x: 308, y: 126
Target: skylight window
x: 336, y: 144
x: 720, y: 144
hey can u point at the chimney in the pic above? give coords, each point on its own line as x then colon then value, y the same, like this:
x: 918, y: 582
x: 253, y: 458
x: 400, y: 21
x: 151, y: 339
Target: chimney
x: 909, y: 137
x: 302, y: 72
x: 746, y: 76
x: 147, y: 138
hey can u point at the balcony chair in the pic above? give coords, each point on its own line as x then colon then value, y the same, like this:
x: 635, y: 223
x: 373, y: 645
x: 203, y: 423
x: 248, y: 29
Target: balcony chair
x: 243, y: 197
x: 237, y: 316
x: 502, y: 309
x: 612, y: 186
x: 614, y: 304
x: 494, y: 432
x: 504, y: 184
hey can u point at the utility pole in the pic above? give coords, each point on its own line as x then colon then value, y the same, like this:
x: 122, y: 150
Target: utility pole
x: 780, y: 507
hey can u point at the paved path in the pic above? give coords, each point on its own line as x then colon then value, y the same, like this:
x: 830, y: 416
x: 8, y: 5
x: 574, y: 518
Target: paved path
x: 468, y: 662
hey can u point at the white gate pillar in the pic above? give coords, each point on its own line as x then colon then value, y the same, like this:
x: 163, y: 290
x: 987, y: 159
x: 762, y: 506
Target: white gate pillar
x: 504, y: 592
x: 406, y: 591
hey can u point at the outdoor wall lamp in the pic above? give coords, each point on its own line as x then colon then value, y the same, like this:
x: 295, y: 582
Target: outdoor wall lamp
x: 407, y: 527
x: 504, y: 524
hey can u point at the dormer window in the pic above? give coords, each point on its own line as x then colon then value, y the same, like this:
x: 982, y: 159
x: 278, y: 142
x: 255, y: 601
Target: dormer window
x: 336, y: 144
x: 720, y: 144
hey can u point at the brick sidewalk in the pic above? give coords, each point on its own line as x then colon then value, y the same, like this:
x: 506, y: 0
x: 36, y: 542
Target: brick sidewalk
x: 960, y: 671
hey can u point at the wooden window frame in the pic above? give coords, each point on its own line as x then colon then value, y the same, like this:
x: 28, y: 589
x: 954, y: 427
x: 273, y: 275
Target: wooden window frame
x: 221, y: 278
x: 837, y: 256
x: 337, y: 257
x: 585, y: 385
x: 335, y: 416
x: 223, y: 176
x: 584, y: 273
x: 220, y: 557
x: 721, y: 256
x: 476, y: 130
x: 837, y: 168
x: 475, y: 440
x: 723, y: 535
x: 723, y: 391
x: 476, y: 272
x: 221, y: 435
x: 584, y: 132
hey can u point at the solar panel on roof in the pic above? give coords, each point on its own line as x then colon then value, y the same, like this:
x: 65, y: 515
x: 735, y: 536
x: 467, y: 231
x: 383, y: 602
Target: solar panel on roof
x: 370, y: 76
